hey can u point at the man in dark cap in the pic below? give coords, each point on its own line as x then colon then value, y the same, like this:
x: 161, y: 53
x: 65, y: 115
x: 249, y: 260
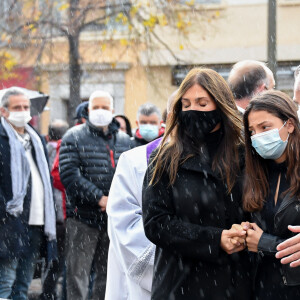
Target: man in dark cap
x: 81, y: 113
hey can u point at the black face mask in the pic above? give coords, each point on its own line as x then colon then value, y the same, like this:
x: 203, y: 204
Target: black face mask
x: 195, y: 125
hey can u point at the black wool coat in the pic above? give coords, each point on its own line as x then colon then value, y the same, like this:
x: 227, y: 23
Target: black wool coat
x: 87, y: 162
x: 185, y: 221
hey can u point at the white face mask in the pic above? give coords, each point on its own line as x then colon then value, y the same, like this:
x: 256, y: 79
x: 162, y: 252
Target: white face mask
x: 100, y: 117
x: 269, y: 144
x: 19, y: 118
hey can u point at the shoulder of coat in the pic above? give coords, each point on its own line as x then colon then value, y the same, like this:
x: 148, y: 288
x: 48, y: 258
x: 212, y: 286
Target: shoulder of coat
x: 75, y: 130
x: 136, y: 156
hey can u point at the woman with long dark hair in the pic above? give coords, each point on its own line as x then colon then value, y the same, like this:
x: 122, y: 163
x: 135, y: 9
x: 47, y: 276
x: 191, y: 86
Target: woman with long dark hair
x: 272, y: 190
x: 192, y: 195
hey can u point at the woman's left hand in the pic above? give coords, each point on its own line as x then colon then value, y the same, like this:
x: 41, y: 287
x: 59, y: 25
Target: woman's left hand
x: 253, y: 236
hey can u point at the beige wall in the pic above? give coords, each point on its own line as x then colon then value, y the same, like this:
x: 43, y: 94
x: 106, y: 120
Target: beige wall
x: 152, y: 84
x: 228, y: 34
x: 135, y: 91
x: 234, y: 33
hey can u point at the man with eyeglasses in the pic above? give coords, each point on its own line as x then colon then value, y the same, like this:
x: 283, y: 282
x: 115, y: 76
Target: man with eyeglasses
x: 27, y: 215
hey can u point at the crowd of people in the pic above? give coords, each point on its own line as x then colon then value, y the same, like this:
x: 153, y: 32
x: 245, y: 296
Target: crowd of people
x: 201, y: 205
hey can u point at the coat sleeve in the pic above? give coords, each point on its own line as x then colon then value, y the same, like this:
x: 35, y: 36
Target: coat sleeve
x: 125, y: 224
x: 267, y: 244
x: 175, y: 235
x: 77, y: 186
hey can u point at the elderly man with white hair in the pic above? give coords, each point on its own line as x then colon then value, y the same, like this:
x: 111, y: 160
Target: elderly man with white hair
x: 88, y: 157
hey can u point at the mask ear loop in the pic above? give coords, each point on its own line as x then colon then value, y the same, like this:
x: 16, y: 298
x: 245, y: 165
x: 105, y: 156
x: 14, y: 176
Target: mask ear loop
x: 283, y: 125
x: 288, y: 132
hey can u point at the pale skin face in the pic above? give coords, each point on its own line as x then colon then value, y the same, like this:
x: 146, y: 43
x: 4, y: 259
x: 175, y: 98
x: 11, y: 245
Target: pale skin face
x: 261, y: 121
x: 197, y: 98
x: 152, y: 120
x: 16, y: 103
x: 100, y: 103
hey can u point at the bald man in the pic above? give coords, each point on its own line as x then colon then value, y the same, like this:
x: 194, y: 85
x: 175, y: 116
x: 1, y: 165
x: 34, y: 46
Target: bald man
x: 247, y: 78
x: 296, y: 97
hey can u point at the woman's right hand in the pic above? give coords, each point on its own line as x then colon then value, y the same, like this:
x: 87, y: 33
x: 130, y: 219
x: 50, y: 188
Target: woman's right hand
x: 243, y: 226
x: 227, y: 237
x: 289, y: 250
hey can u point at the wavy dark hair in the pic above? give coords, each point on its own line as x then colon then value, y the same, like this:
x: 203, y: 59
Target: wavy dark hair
x: 256, y: 185
x: 171, y: 151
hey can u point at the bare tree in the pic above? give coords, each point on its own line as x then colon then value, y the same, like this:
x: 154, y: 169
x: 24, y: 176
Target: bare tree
x: 38, y: 23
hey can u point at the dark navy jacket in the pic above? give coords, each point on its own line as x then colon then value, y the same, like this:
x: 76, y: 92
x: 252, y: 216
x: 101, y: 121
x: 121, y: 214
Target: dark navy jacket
x: 87, y: 161
x: 13, y: 230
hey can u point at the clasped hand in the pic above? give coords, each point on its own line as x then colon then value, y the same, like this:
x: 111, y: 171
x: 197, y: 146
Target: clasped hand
x: 253, y: 235
x: 241, y: 236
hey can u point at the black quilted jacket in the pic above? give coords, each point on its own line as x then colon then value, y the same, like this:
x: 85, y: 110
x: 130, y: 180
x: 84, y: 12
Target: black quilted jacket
x: 87, y: 162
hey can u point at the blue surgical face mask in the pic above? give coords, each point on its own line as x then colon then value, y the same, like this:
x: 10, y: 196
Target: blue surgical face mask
x: 269, y: 144
x: 148, y: 132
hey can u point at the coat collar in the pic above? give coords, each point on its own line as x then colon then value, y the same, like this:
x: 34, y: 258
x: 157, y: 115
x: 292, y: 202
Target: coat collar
x: 113, y: 128
x: 287, y: 200
x: 198, y: 164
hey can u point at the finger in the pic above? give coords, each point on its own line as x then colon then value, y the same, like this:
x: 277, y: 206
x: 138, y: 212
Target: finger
x: 237, y: 227
x: 295, y: 263
x: 248, y: 240
x: 234, y: 242
x: 241, y: 240
x: 294, y: 228
x: 290, y: 242
x: 250, y: 232
x: 234, y: 233
x: 291, y: 258
x: 255, y: 226
x: 288, y: 251
x: 246, y: 225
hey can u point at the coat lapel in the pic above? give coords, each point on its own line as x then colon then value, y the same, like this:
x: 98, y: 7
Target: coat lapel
x: 198, y: 165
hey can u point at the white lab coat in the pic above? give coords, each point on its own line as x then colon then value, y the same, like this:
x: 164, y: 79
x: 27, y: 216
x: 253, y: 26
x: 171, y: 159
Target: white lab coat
x: 131, y: 254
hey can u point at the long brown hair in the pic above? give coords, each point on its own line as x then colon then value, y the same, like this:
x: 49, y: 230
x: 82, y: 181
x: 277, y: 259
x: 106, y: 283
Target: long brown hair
x: 170, y: 153
x: 256, y: 182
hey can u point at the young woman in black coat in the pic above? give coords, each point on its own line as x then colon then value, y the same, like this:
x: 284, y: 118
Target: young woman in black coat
x: 192, y: 196
x: 272, y: 190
